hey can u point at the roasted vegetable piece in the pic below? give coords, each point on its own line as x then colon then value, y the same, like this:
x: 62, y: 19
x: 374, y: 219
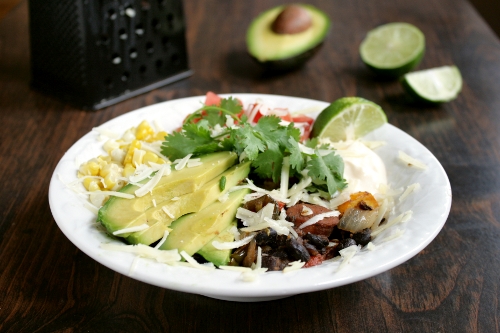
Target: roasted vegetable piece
x: 256, y: 205
x: 360, y: 200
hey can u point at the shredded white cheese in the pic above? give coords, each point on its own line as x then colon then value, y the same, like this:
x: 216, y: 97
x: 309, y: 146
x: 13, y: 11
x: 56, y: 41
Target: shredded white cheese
x: 232, y: 245
x: 163, y: 239
x: 169, y: 214
x: 319, y: 217
x: 163, y: 256
x: 194, y: 263
x: 149, y: 186
x: 285, y: 176
x: 410, y: 189
x: 293, y: 266
x: 181, y: 163
x: 404, y: 217
x: 411, y: 162
x: 347, y: 255
x: 306, y: 211
x: 131, y: 229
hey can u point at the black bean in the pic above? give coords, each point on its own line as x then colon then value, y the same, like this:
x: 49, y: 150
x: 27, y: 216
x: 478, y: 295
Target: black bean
x: 363, y: 237
x: 297, y: 251
x: 266, y: 237
x: 319, y: 241
x: 345, y: 243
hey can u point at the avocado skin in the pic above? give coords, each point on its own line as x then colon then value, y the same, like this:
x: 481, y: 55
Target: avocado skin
x: 295, y: 56
x: 288, y: 64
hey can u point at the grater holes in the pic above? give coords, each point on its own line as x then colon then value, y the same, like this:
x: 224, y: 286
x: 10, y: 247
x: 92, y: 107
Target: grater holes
x: 155, y: 24
x: 116, y: 59
x: 165, y: 41
x: 133, y: 53
x: 150, y: 48
x: 112, y: 15
x: 139, y: 29
x: 142, y: 69
x: 104, y: 39
x: 108, y: 83
x: 125, y: 76
x: 123, y: 34
x: 130, y: 11
x: 159, y: 64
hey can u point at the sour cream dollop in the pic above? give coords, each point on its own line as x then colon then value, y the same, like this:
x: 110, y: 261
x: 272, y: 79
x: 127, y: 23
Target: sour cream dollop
x: 364, y: 170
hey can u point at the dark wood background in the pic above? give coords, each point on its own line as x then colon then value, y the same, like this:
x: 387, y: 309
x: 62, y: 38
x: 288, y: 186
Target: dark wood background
x: 48, y: 285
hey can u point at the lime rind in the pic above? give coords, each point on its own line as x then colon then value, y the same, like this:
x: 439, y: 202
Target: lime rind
x: 348, y: 118
x: 393, y: 49
x: 435, y: 85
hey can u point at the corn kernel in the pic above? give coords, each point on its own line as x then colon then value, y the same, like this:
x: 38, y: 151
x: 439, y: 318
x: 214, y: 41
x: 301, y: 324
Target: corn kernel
x: 110, y: 145
x: 128, y: 170
x: 160, y: 136
x: 91, y: 168
x: 118, y: 155
x: 130, y: 153
x: 150, y: 157
x: 137, y: 159
x: 110, y: 180
x: 91, y: 184
x: 144, y: 131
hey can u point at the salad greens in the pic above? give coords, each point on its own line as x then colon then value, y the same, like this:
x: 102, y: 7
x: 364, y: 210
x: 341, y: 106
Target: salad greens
x: 266, y: 144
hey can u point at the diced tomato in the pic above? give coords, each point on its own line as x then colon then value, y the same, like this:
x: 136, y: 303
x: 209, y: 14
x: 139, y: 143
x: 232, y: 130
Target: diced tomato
x: 302, y: 119
x: 212, y: 98
x: 306, y: 125
x: 314, y: 261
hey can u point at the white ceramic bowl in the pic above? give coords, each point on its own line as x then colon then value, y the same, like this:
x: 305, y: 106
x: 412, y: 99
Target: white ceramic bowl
x: 430, y: 206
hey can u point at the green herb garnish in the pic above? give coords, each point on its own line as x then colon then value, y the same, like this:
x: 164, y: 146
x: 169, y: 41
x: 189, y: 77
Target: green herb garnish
x: 265, y: 144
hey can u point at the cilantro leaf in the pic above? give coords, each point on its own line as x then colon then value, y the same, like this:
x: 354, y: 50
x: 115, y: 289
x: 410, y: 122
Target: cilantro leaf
x: 194, y: 139
x: 246, y: 140
x: 232, y: 105
x: 296, y: 158
x: 329, y: 169
x: 268, y: 164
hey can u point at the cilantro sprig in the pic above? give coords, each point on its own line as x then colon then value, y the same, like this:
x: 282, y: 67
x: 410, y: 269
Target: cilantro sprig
x: 265, y: 144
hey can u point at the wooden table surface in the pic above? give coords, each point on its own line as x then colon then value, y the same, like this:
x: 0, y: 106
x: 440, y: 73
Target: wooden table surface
x: 453, y: 285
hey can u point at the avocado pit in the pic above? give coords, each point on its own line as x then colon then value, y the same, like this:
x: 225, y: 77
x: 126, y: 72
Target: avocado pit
x: 292, y: 20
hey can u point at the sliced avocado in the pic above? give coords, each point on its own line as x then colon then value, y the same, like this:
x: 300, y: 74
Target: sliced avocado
x: 119, y: 213
x: 216, y: 256
x: 285, y: 37
x: 193, y: 231
x: 159, y: 220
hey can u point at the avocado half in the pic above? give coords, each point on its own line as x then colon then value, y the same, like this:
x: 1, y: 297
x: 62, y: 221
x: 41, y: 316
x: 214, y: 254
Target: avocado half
x: 285, y: 51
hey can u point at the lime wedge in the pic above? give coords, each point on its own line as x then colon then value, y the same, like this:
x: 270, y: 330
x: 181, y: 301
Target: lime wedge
x: 435, y: 85
x: 393, y: 49
x: 348, y: 118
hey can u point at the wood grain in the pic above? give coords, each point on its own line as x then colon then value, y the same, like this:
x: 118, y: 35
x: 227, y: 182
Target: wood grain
x: 453, y: 285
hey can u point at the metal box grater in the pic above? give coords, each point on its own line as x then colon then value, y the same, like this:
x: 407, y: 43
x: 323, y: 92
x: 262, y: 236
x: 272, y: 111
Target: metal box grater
x: 94, y: 53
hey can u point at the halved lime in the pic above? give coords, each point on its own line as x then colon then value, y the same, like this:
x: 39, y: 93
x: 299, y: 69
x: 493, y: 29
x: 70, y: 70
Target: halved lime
x: 348, y: 118
x: 393, y: 49
x: 436, y: 85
